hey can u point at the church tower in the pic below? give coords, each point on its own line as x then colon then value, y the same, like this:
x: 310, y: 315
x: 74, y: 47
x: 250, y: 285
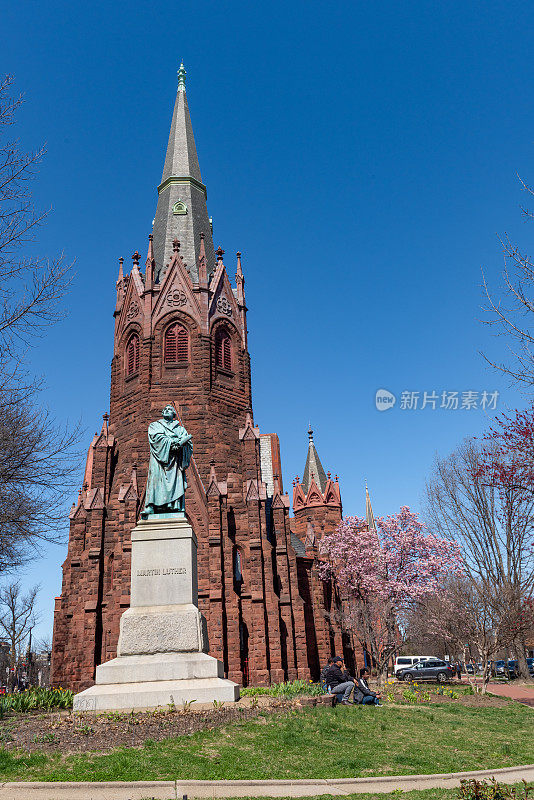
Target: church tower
x: 181, y: 336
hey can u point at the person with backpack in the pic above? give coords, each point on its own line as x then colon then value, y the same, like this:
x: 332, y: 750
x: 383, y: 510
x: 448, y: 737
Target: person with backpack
x: 338, y: 681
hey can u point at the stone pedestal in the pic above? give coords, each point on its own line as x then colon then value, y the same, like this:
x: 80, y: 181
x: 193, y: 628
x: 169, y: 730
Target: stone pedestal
x: 162, y: 651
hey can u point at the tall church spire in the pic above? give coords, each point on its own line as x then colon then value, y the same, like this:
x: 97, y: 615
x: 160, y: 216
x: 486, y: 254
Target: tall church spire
x: 369, y: 516
x: 181, y: 212
x: 313, y: 467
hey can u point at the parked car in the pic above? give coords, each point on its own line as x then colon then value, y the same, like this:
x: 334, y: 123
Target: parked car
x: 513, y: 668
x: 430, y: 670
x: 530, y: 665
x: 503, y: 670
x: 404, y: 662
x: 474, y: 669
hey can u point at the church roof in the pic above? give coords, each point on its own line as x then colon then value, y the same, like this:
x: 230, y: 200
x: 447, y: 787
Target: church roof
x: 298, y: 546
x: 181, y: 212
x: 313, y: 467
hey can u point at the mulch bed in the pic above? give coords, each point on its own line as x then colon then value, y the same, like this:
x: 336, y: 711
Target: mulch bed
x: 74, y: 733
x: 483, y: 700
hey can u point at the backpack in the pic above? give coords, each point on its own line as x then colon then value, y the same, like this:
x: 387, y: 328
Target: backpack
x: 322, y: 677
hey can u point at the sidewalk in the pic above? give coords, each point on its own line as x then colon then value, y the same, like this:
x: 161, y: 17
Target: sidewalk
x: 175, y: 790
x: 523, y: 693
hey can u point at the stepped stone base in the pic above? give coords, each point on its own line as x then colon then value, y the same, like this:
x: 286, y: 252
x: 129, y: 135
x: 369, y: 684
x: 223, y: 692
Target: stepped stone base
x: 161, y: 656
x: 155, y: 694
x: 159, y: 667
x: 145, y: 682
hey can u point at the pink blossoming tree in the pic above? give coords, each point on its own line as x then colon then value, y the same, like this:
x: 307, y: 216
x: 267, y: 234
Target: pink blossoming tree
x: 381, y: 573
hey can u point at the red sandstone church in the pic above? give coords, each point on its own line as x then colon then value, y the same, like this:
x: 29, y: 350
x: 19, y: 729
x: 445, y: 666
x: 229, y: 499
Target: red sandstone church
x: 181, y: 337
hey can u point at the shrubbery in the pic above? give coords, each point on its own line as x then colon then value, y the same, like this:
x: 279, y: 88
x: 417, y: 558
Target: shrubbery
x: 36, y: 699
x: 285, y: 690
x: 480, y: 790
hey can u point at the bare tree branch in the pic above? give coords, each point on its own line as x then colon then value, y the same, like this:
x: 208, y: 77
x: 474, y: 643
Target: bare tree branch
x: 17, y: 617
x: 515, y: 321
x: 37, y: 456
x: 494, y: 526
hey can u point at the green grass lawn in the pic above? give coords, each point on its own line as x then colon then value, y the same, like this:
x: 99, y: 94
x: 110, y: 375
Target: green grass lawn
x: 311, y: 743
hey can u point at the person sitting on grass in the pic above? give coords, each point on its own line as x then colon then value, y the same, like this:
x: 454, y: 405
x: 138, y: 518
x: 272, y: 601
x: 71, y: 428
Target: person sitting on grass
x: 338, y: 681
x: 362, y: 693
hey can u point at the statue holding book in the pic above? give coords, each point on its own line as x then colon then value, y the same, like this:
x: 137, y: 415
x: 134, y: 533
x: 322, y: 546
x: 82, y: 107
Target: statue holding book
x: 170, y: 455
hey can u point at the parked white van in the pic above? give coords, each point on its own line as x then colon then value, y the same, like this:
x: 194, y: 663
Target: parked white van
x: 401, y: 662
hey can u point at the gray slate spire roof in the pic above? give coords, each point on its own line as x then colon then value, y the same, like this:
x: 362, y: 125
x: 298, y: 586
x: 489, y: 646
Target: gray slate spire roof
x: 313, y: 466
x: 369, y: 516
x: 181, y: 212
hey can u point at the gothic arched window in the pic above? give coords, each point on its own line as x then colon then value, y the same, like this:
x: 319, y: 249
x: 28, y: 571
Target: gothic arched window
x: 237, y: 565
x: 111, y: 571
x: 223, y: 350
x: 238, y: 571
x: 132, y: 355
x: 176, y: 344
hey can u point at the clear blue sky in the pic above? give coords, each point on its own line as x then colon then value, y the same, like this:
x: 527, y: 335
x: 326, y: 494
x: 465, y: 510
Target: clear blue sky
x: 362, y: 156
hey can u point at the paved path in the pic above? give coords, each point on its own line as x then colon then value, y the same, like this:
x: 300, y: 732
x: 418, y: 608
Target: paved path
x: 523, y: 693
x: 175, y: 790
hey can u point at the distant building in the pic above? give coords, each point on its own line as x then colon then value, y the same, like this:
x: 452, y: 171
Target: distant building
x: 41, y: 663
x: 181, y: 336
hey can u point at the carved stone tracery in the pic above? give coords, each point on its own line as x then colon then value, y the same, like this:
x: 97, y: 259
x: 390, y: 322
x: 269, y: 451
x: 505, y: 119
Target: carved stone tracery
x: 224, y: 307
x: 176, y: 298
x: 133, y: 310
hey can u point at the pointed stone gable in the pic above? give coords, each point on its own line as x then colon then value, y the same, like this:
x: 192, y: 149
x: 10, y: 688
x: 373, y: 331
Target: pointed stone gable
x: 176, y: 293
x: 252, y: 491
x: 249, y: 431
x: 94, y: 500
x: 213, y: 488
x: 280, y: 501
x: 332, y: 496
x: 127, y: 492
x: 299, y: 498
x: 132, y: 307
x: 314, y: 496
x: 103, y: 440
x: 78, y: 512
x: 223, y: 304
